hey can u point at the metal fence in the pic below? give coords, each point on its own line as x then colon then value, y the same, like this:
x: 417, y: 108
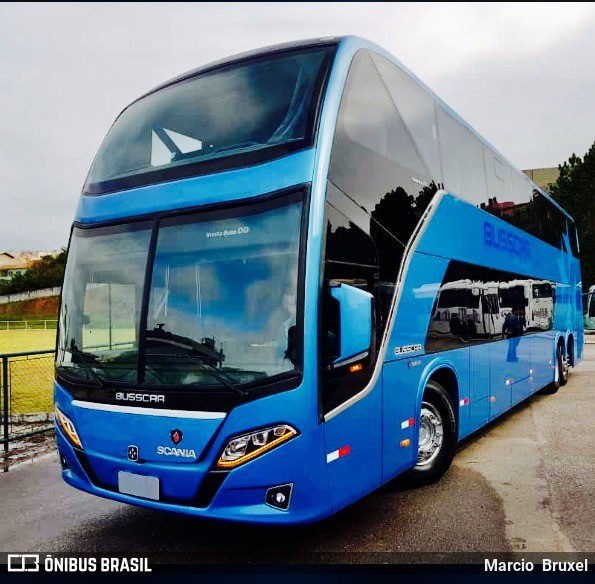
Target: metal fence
x: 16, y: 325
x: 26, y: 391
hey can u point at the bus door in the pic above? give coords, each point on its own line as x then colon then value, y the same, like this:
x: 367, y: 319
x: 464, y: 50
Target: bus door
x: 351, y: 394
x: 353, y: 443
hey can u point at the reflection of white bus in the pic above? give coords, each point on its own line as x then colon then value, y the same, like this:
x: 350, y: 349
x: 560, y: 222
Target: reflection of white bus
x: 469, y: 309
x: 535, y: 296
x: 589, y: 309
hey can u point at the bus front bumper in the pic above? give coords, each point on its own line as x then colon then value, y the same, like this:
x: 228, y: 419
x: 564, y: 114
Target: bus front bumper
x: 242, y: 494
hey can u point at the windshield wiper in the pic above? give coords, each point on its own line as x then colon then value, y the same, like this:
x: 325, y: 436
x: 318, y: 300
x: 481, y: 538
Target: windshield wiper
x: 222, y: 378
x: 219, y: 375
x: 192, y: 348
x: 89, y: 368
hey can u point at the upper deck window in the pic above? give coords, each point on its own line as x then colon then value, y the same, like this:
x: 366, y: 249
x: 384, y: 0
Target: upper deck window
x: 237, y: 114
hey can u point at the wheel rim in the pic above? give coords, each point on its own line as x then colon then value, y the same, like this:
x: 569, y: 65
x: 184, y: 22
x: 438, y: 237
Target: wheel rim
x: 431, y: 434
x: 561, y: 367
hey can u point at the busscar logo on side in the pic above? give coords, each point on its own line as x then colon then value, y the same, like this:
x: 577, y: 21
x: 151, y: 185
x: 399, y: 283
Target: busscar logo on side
x: 407, y: 349
x: 506, y: 241
x: 140, y: 397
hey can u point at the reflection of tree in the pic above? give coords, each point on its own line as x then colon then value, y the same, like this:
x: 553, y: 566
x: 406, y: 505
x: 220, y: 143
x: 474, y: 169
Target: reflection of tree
x: 425, y: 196
x: 537, y: 216
x: 522, y: 216
x: 396, y: 213
x: 392, y: 224
x: 349, y: 244
x: 375, y: 258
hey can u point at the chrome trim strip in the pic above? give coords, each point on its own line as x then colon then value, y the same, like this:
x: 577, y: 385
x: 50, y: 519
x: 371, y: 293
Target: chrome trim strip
x: 409, y: 251
x: 149, y: 411
x: 349, y: 360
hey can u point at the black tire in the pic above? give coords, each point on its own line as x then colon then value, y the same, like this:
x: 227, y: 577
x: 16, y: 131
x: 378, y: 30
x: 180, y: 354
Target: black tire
x: 555, y: 385
x: 426, y: 473
x: 562, y: 366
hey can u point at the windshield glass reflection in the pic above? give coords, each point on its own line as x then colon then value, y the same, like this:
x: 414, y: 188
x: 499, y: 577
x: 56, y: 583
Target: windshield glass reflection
x: 223, y: 299
x: 101, y: 302
x: 222, y: 305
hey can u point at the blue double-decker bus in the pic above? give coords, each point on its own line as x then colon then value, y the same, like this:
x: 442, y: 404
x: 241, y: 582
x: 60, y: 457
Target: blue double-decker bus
x: 293, y: 275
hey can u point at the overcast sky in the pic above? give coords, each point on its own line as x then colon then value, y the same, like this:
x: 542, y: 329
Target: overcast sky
x: 523, y: 74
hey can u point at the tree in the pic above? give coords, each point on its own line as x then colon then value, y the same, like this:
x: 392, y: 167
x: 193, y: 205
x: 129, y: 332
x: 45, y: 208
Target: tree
x: 575, y: 191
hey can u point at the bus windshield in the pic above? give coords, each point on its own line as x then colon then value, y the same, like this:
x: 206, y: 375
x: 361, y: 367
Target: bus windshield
x: 101, y: 302
x: 238, y: 108
x: 220, y: 310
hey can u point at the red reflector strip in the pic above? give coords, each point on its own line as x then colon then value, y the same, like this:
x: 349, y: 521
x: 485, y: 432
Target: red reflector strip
x: 464, y: 402
x: 408, y: 423
x: 339, y: 453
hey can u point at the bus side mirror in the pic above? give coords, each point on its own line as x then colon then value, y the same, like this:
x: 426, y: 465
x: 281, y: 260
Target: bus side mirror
x: 355, y: 323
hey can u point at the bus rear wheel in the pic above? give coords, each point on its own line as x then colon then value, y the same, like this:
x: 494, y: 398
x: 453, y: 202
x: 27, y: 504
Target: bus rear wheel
x: 437, y: 439
x: 560, y: 373
x: 562, y: 365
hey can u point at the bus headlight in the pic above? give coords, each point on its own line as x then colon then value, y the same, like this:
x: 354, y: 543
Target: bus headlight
x: 246, y: 447
x: 66, y: 424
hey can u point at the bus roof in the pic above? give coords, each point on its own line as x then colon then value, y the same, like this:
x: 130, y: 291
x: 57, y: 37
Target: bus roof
x: 269, y: 50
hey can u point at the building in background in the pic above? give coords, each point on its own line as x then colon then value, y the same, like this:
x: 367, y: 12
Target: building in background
x: 544, y: 178
x: 18, y: 262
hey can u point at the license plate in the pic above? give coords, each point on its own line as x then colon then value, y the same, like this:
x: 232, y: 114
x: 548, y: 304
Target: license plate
x: 138, y: 485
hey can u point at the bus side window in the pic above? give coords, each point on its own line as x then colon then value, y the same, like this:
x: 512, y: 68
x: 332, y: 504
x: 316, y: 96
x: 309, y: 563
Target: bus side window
x: 351, y: 258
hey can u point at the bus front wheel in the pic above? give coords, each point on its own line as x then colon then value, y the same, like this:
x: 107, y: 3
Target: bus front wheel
x: 437, y: 438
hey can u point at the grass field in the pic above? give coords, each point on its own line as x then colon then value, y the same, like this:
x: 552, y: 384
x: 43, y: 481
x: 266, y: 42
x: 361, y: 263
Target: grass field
x: 19, y: 341
x: 30, y: 379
